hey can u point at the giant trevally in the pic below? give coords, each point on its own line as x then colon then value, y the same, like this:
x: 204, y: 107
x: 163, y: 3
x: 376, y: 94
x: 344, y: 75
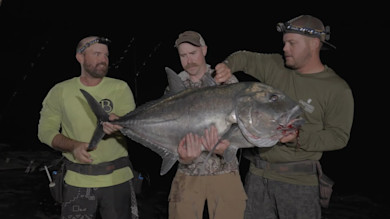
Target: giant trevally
x: 249, y: 114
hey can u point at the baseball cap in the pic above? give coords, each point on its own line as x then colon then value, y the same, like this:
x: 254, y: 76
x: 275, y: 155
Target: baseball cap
x: 190, y: 37
x: 307, y: 25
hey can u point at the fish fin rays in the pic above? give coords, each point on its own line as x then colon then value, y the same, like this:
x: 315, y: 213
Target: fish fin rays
x: 167, y: 163
x: 264, y: 142
x: 230, y: 153
x: 101, y: 116
x: 95, y: 106
x: 174, y: 82
x: 208, y: 80
x: 169, y: 158
x: 98, y: 134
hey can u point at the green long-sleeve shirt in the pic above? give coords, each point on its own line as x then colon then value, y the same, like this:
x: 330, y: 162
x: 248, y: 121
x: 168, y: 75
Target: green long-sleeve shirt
x: 325, y: 97
x: 65, y: 110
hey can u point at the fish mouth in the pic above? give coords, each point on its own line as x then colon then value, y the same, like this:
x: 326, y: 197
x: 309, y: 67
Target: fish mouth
x: 277, y: 128
x: 291, y: 121
x: 292, y: 126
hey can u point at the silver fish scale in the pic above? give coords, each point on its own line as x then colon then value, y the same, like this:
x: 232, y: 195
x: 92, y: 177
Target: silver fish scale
x: 161, y: 124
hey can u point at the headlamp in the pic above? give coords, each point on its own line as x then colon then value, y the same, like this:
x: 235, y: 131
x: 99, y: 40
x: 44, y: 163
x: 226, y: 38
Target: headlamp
x: 101, y: 40
x: 287, y: 27
x: 323, y: 35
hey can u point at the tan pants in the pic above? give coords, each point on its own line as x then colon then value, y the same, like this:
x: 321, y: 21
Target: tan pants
x: 224, y: 193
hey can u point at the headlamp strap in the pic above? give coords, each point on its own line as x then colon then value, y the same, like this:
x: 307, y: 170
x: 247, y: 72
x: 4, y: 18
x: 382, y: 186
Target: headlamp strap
x: 101, y: 40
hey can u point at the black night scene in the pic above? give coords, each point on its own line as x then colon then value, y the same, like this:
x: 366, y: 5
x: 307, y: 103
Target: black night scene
x: 37, y: 48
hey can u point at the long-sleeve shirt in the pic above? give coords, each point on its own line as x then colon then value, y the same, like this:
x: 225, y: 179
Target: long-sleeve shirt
x: 66, y: 111
x: 325, y: 98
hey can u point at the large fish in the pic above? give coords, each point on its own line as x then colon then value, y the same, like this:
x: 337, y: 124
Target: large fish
x: 248, y: 114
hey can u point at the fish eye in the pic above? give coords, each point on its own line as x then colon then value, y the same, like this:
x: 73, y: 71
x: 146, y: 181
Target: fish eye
x: 273, y: 98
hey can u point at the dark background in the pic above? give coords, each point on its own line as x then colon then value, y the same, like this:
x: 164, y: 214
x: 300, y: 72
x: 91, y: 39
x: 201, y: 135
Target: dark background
x: 37, y: 50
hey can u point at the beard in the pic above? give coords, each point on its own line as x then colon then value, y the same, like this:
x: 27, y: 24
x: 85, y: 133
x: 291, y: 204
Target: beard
x: 98, y: 71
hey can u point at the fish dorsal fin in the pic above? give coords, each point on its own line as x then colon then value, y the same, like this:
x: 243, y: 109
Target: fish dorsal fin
x: 174, y: 82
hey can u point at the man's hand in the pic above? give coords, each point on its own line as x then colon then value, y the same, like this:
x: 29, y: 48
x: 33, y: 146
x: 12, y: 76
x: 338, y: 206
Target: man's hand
x: 80, y: 152
x: 223, y: 73
x: 210, y: 139
x: 189, y: 148
x: 110, y: 128
x: 78, y: 149
x: 291, y: 137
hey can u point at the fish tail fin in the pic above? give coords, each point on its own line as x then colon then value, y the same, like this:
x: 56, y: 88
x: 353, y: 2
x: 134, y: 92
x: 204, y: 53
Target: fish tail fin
x: 98, y: 134
x: 101, y: 115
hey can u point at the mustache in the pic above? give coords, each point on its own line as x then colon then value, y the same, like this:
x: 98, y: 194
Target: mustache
x: 102, y: 63
x: 190, y: 65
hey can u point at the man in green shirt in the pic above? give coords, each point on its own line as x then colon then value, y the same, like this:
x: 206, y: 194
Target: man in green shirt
x: 97, y: 180
x: 283, y: 180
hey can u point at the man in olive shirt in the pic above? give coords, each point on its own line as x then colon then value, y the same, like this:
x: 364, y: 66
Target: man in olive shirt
x: 283, y: 181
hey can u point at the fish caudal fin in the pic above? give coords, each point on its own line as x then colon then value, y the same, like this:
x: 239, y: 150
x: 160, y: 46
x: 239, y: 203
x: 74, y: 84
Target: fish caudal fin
x: 101, y: 116
x: 98, y: 134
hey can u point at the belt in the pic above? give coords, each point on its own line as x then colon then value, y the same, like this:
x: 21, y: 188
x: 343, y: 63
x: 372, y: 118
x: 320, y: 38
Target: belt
x: 307, y: 166
x: 98, y: 169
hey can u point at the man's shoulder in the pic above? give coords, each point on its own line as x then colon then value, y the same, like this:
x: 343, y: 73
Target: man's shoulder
x: 336, y: 79
x: 66, y: 83
x: 115, y: 80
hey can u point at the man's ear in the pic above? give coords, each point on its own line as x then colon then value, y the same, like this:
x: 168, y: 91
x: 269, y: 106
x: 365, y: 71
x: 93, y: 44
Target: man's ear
x: 316, y: 43
x: 80, y: 57
x: 204, y: 50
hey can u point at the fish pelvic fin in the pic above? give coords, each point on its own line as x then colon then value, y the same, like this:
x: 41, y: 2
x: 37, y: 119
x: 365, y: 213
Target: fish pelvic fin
x: 101, y: 116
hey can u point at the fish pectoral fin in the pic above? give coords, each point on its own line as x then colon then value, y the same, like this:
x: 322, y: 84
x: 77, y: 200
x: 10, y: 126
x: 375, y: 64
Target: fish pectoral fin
x: 168, y: 162
x: 230, y: 153
x: 264, y: 142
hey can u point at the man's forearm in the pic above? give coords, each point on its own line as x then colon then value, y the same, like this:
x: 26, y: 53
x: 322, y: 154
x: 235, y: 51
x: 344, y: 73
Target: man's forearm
x: 63, y: 143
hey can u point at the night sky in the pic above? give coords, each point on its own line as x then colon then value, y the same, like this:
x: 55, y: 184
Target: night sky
x: 38, y: 41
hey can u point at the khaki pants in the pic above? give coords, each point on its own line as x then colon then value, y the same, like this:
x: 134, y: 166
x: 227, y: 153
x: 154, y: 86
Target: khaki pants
x: 224, y: 193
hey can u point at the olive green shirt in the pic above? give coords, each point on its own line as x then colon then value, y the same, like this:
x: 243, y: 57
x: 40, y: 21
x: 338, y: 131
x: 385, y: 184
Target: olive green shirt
x: 325, y: 98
